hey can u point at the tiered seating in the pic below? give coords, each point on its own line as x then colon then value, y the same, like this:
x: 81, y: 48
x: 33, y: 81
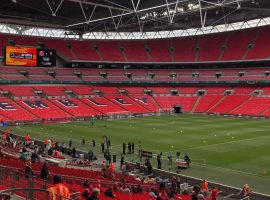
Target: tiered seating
x: 106, y: 89
x: 229, y: 103
x: 51, y: 90
x: 184, y: 49
x: 135, y: 51
x: 261, y: 47
x: 254, y: 106
x: 243, y: 90
x: 75, y: 107
x: 103, y: 105
x: 145, y: 101
x: 80, y: 90
x: 110, y: 51
x: 187, y: 90
x: 84, y: 50
x: 19, y: 90
x: 210, y: 47
x: 157, y: 53
x: 72, y: 178
x: 11, y: 110
x: 117, y: 75
x: 60, y: 45
x: 24, y: 40
x: 186, y: 102
x: 126, y: 103
x: 133, y: 90
x: 38, y: 74
x: 266, y: 90
x: 160, y: 90
x: 206, y: 102
x: 49, y: 111
x: 238, y: 44
x: 215, y: 90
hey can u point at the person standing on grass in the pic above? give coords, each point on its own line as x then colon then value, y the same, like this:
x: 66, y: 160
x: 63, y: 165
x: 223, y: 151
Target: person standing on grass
x: 122, y: 161
x: 94, y: 143
x: 102, y: 147
x: 132, y: 147
x: 159, y: 161
x: 83, y: 141
x: 129, y: 148
x: 70, y: 143
x: 124, y: 148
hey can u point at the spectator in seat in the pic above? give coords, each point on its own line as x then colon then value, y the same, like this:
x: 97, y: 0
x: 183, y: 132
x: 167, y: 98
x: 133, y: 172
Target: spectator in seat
x: 44, y: 173
x: 109, y: 193
x: 200, y: 197
x: 246, y: 191
x: 86, y: 193
x: 94, y: 195
x: 204, y: 187
x: 152, y: 194
x: 58, y: 189
x: 28, y: 169
x: 214, y: 194
x: 111, y: 166
x: 195, y: 192
x: 24, y: 155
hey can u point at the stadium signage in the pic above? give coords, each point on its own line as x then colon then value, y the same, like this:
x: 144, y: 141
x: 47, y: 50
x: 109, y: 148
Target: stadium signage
x: 29, y: 56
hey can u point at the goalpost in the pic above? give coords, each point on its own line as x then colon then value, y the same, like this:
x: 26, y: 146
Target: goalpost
x: 119, y: 115
x: 165, y: 111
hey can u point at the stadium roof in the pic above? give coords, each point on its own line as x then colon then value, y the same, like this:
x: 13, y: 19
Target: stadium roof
x: 88, y: 16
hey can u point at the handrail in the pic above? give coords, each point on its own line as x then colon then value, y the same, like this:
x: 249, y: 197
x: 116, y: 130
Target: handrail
x: 74, y: 178
x: 12, y: 191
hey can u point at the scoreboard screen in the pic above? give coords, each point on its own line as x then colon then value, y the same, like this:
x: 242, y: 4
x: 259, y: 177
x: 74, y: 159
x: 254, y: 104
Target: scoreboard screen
x: 46, y: 57
x: 21, y: 56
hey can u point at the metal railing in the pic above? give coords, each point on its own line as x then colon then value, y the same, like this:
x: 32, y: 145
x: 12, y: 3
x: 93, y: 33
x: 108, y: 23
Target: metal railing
x: 25, y: 186
x: 34, y: 194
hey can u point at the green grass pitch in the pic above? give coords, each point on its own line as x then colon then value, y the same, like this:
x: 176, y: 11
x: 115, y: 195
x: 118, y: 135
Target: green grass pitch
x: 231, y: 151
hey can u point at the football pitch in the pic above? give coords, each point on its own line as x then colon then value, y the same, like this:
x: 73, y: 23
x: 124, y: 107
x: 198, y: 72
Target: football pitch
x: 231, y: 151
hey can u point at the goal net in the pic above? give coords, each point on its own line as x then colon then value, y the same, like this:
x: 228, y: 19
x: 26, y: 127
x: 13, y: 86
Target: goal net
x: 165, y: 111
x: 119, y: 115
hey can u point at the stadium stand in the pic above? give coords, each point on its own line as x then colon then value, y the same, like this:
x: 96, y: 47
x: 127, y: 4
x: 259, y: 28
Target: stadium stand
x: 110, y: 51
x: 11, y: 110
x: 160, y: 54
x: 43, y: 109
x: 84, y: 50
x: 211, y: 47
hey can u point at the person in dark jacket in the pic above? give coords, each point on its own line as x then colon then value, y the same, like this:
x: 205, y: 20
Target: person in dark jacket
x: 28, y: 169
x: 44, y: 172
x: 109, y: 193
x: 94, y: 196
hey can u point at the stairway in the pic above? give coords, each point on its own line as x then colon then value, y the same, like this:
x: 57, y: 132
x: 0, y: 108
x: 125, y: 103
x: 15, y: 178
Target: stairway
x: 249, y: 48
x: 140, y: 105
x: 60, y: 107
x: 223, y: 50
x: 89, y: 105
x: 216, y: 104
x: 195, y: 104
x: 97, y: 51
x: 240, y: 104
x: 25, y: 109
x: 156, y: 103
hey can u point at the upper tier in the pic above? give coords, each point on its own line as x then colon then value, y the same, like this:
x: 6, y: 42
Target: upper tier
x: 250, y: 44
